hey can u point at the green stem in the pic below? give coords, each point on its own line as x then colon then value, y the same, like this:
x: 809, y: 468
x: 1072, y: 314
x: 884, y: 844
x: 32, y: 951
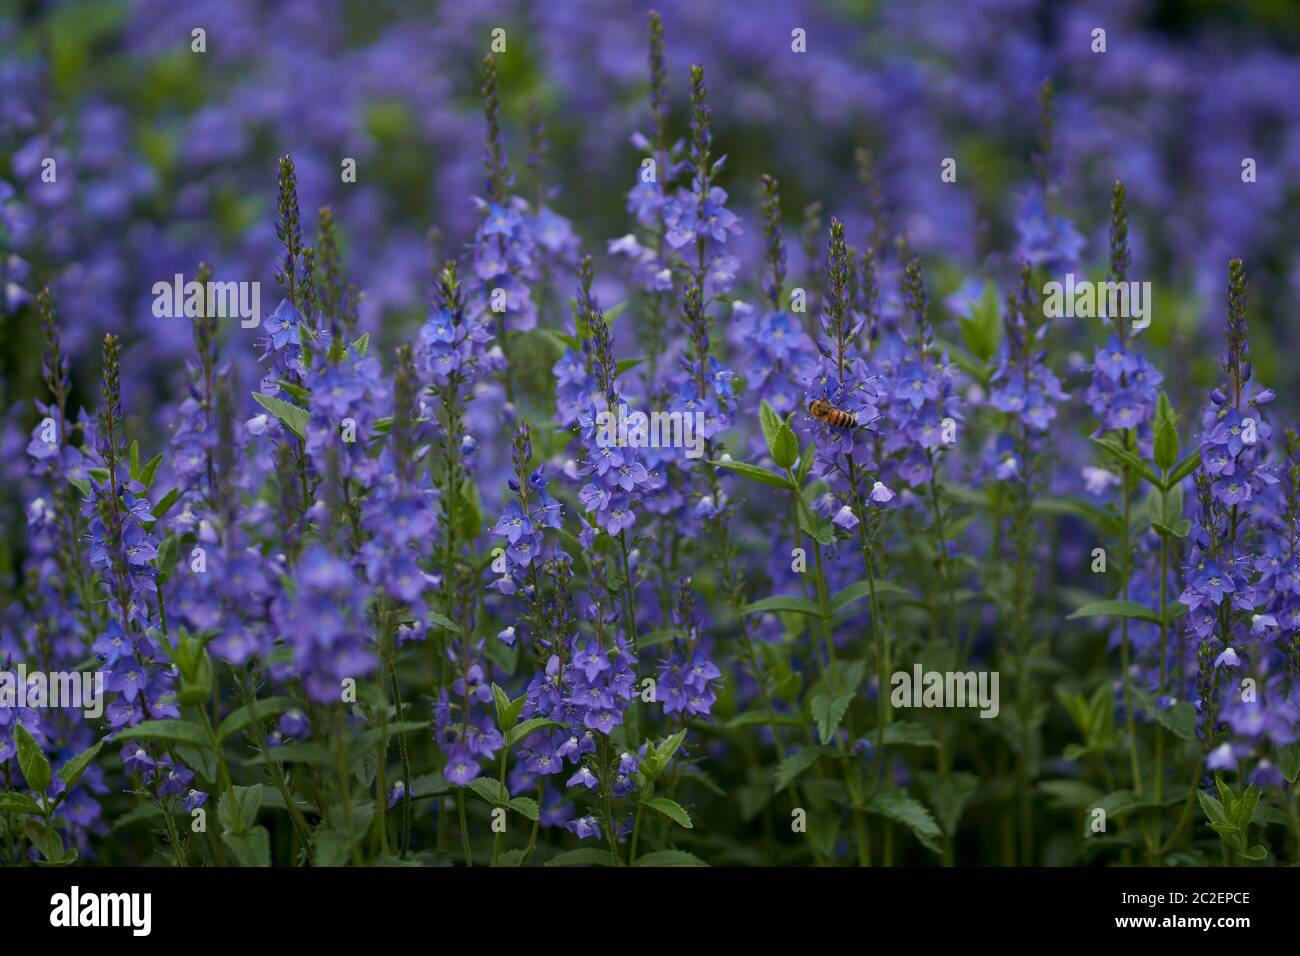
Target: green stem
x: 1130, y: 719
x: 464, y: 829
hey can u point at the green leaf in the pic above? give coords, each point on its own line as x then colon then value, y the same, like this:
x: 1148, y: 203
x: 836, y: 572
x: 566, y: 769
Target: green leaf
x: 1071, y: 794
x: 1116, y: 608
x: 202, y: 760
x: 1257, y: 852
x: 332, y: 848
x: 490, y: 790
x: 672, y: 810
x: 164, y: 505
x: 664, y: 752
x: 770, y: 422
x: 297, y: 391
x: 795, y: 764
x: 781, y: 442
x: 1128, y: 459
x: 627, y: 364
x: 828, y: 711
x: 759, y: 718
x: 908, y: 733
x: 583, y: 856
x: 1179, y: 720
x: 949, y: 796
x: 526, y: 806
x: 1179, y: 530
x: 48, y: 841
x: 1212, y: 809
x: 982, y: 331
x: 361, y: 344
x: 1243, y: 809
x: 1288, y: 761
x: 786, y: 450
x: 1166, y: 446
x: 19, y: 803
x: 133, y: 459
x: 251, y: 713
x: 293, y: 416
x: 316, y: 754
x: 150, y: 469
x: 1184, y: 468
x: 443, y: 622
x: 175, y: 731
x: 897, y: 806
x: 756, y: 473
x: 565, y: 340
x: 165, y: 561
x: 247, y: 801
x: 32, y: 762
x: 862, y: 589
x: 670, y: 858
x: 251, y: 848
x: 507, y: 710
x: 1099, y: 517
x: 783, y: 602
x: 806, y: 461
x: 520, y: 731
x: 71, y: 771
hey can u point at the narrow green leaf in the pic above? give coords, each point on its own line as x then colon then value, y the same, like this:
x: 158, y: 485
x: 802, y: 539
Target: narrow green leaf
x: 908, y: 733
x: 71, y: 771
x: 31, y: 760
x: 150, y: 469
x: 176, y: 731
x: 1128, y: 459
x: 672, y: 810
x: 443, y: 622
x: 1116, y: 608
x: 165, y: 561
x: 783, y: 602
x: 250, y: 713
x: 665, y: 751
x: 296, y: 391
x: 756, y: 473
x: 770, y: 422
x: 860, y: 590
x: 164, y: 505
x: 795, y: 764
x: 1166, y: 445
x: 1184, y: 468
x: 292, y: 416
x: 627, y: 364
x: 520, y: 731
x: 19, y: 803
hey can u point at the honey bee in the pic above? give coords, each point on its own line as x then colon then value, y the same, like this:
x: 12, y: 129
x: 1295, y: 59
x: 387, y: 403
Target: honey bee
x: 824, y: 411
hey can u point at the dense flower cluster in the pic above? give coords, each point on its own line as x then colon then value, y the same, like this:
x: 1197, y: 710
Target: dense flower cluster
x: 642, y: 575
